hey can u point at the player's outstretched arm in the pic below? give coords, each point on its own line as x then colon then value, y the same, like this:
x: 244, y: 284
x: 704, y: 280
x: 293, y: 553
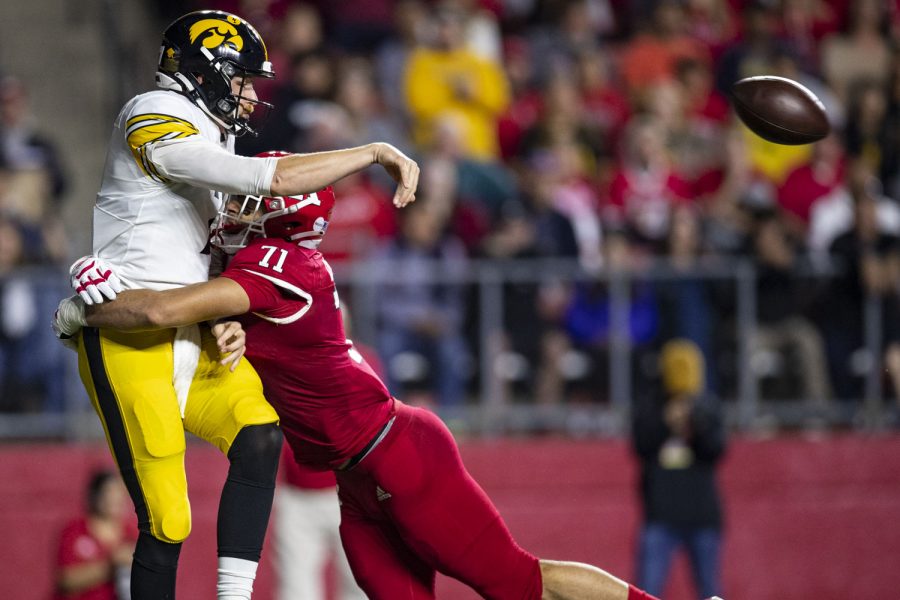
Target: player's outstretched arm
x: 137, y: 310
x: 203, y: 164
x: 303, y: 173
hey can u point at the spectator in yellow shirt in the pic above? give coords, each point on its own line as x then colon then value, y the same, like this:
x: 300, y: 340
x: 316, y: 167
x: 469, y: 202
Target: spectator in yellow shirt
x: 445, y: 80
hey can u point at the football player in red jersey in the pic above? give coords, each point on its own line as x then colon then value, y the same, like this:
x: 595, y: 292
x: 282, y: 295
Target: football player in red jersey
x: 409, y: 508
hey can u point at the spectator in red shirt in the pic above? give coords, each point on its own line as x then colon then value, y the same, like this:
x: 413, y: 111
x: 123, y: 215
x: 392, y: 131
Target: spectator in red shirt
x: 809, y: 183
x: 364, y: 221
x: 525, y: 105
x: 606, y: 107
x: 703, y: 103
x: 94, y: 557
x: 645, y: 187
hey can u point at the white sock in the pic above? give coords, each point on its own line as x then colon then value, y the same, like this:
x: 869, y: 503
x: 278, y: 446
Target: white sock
x: 235, y: 581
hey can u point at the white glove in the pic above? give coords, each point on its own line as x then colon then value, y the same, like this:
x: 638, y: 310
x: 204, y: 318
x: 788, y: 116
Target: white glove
x: 68, y: 319
x: 93, y: 279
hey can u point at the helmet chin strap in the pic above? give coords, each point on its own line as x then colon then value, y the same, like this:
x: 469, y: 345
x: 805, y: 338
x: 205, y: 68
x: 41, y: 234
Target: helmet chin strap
x: 179, y: 82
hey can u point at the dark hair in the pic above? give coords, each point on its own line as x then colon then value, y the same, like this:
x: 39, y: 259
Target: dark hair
x: 98, y: 479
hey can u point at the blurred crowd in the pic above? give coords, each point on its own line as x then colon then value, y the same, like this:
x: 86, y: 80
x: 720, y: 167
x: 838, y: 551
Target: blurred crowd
x: 597, y: 131
x: 33, y: 246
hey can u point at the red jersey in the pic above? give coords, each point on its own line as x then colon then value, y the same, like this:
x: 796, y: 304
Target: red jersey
x: 330, y: 401
x: 77, y: 545
x: 300, y: 476
x: 802, y: 189
x: 312, y: 478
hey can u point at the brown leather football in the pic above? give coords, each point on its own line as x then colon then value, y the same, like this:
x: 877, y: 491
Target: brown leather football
x: 780, y: 110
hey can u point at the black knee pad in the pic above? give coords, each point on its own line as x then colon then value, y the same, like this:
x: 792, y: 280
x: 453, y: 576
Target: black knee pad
x: 254, y: 454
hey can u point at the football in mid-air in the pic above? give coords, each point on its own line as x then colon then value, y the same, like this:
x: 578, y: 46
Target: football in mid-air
x: 780, y: 110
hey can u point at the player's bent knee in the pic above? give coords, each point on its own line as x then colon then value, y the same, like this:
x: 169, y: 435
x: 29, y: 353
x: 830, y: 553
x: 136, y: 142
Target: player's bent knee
x: 164, y: 488
x: 176, y: 526
x: 255, y: 452
x: 171, y: 523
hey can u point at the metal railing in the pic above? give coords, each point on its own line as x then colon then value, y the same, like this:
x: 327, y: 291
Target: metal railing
x: 492, y: 407
x: 495, y: 411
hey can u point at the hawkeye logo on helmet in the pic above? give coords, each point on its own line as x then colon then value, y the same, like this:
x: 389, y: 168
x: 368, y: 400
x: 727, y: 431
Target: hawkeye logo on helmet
x: 218, y: 33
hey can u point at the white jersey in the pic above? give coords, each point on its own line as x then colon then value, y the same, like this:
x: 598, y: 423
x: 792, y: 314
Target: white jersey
x: 151, y: 219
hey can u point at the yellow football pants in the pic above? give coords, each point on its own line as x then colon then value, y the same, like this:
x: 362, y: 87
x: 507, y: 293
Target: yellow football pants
x: 128, y: 377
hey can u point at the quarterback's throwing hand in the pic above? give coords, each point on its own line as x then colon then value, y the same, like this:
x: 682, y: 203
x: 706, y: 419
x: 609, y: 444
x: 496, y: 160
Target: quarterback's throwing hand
x: 93, y: 280
x: 403, y: 169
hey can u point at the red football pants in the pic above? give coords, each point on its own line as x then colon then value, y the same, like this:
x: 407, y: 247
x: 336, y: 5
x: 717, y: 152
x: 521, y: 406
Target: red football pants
x: 410, y: 508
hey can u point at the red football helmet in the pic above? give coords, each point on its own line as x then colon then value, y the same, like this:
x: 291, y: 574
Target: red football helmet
x: 302, y: 219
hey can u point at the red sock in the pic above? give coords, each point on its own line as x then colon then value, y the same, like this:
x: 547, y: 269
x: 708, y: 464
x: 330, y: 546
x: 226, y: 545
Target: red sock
x: 636, y: 594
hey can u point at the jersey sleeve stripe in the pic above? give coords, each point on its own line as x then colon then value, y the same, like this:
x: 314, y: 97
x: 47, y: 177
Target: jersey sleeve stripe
x: 291, y: 288
x: 157, y: 117
x: 149, y: 128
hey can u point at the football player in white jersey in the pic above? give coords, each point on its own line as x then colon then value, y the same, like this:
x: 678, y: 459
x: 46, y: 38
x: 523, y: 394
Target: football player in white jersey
x: 169, y: 168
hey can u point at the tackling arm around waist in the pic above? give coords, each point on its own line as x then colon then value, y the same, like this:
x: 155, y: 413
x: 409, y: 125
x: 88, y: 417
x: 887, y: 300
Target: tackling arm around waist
x: 138, y: 310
